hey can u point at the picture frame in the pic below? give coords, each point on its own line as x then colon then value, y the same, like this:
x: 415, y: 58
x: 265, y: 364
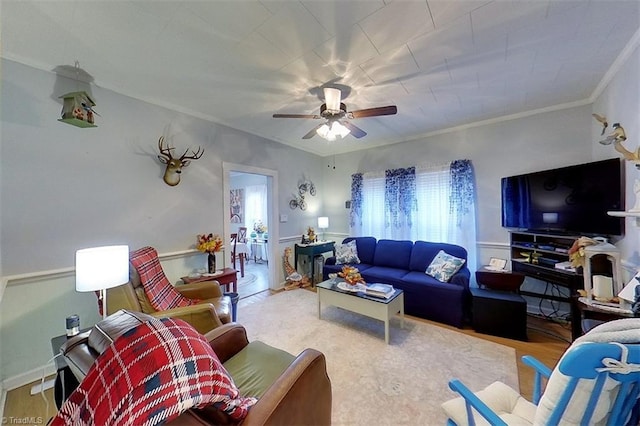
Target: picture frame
x: 237, y: 206
x: 497, y: 263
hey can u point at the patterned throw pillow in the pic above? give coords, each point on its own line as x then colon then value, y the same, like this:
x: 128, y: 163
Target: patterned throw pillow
x: 347, y: 253
x: 444, y: 266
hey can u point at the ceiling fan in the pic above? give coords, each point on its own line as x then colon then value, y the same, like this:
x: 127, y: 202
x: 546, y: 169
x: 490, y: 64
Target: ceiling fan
x: 337, y: 116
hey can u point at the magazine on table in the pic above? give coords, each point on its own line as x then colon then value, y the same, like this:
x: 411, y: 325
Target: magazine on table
x: 380, y: 290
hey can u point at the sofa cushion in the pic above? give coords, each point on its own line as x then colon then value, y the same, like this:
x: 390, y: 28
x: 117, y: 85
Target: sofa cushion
x: 424, y: 252
x: 347, y: 253
x: 393, y: 254
x: 384, y: 275
x: 366, y: 248
x: 444, y: 266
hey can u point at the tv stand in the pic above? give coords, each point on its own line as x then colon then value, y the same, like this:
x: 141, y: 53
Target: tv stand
x: 536, y: 255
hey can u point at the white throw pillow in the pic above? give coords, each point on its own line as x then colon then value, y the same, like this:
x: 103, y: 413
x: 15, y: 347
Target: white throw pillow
x: 444, y: 266
x: 347, y: 253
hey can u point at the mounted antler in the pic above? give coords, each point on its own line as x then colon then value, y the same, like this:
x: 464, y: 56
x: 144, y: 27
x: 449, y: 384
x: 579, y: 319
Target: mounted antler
x: 175, y: 165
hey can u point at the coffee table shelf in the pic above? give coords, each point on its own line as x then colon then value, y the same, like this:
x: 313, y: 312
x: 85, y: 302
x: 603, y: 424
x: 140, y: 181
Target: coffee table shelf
x: 361, y: 303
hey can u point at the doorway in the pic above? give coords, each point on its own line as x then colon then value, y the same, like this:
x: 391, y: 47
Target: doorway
x: 253, y: 191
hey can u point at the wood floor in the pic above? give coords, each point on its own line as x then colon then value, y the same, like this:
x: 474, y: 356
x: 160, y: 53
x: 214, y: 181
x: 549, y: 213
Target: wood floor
x: 547, y: 342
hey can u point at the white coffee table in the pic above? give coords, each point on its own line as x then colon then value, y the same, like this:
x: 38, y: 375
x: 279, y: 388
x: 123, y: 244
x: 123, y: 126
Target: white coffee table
x: 361, y: 303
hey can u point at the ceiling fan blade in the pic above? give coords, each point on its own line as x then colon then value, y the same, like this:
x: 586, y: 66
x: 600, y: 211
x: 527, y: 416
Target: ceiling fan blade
x: 356, y: 131
x: 372, y: 112
x: 296, y: 116
x: 312, y: 132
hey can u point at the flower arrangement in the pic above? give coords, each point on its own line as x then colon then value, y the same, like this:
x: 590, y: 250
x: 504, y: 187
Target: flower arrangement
x: 259, y: 227
x: 351, y: 275
x: 209, y: 243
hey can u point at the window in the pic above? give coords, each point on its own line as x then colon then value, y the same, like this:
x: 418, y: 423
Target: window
x: 424, y: 203
x: 256, y: 205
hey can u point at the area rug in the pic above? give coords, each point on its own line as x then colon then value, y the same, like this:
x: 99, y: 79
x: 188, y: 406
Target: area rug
x: 247, y: 279
x: 372, y: 382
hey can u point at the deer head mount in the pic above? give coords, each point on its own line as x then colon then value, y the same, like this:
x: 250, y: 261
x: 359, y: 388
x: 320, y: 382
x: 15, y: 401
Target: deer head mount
x: 174, y: 165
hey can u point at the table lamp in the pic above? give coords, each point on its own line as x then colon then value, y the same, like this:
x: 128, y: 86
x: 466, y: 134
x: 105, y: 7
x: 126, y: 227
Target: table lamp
x: 323, y: 223
x: 100, y: 268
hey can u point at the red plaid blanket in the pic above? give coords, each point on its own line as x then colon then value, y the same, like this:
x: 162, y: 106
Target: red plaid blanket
x: 151, y: 375
x: 162, y: 295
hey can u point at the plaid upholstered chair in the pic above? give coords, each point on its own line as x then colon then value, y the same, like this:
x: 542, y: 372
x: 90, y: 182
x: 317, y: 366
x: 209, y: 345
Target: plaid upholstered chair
x: 202, y: 304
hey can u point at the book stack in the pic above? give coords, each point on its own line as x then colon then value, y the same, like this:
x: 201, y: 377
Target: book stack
x: 380, y: 290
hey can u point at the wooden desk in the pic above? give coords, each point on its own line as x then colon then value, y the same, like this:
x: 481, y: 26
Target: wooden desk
x: 229, y: 276
x: 312, y: 250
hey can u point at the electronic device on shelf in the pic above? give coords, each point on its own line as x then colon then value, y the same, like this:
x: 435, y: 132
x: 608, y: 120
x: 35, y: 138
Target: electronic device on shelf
x: 573, y: 199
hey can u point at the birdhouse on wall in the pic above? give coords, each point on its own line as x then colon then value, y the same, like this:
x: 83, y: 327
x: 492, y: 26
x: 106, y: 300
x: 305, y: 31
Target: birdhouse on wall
x: 77, y: 109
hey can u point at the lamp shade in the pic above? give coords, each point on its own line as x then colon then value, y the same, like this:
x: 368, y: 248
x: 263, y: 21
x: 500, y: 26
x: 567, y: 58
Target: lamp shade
x: 323, y: 222
x: 332, y: 99
x: 100, y: 268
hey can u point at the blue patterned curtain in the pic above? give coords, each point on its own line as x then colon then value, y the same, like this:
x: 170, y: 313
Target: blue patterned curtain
x: 400, y: 196
x: 462, y: 187
x: 356, y: 199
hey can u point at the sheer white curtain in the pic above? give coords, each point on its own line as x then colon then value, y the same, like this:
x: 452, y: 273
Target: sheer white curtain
x: 255, y: 206
x: 435, y: 218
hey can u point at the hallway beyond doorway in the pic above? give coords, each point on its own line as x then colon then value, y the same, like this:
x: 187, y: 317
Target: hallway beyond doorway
x: 255, y: 280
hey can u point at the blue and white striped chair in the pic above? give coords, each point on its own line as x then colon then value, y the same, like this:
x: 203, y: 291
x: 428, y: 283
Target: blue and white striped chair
x: 597, y: 381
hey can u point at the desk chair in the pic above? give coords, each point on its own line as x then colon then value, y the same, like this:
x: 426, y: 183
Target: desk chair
x: 235, y: 254
x: 242, y: 234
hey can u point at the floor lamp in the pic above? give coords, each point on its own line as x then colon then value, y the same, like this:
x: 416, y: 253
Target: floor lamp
x: 100, y: 268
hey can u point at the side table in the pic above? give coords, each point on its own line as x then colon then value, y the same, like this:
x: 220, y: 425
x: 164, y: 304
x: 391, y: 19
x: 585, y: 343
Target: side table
x: 65, y: 382
x: 499, y: 280
x: 226, y: 277
x: 588, y: 316
x: 311, y: 250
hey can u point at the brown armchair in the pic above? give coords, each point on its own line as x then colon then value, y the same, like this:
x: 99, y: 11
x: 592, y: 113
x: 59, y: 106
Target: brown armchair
x: 213, y: 311
x: 291, y: 390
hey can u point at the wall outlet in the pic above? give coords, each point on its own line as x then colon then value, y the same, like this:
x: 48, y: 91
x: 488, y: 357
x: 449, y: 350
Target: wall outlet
x: 283, y: 218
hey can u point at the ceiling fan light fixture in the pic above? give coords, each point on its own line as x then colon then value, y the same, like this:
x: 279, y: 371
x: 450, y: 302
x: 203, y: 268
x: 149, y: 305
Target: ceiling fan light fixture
x: 330, y: 131
x: 332, y: 99
x: 339, y: 129
x: 323, y: 131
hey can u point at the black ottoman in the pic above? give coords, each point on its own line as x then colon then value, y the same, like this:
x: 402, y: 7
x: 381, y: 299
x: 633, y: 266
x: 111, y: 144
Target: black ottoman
x: 499, y: 313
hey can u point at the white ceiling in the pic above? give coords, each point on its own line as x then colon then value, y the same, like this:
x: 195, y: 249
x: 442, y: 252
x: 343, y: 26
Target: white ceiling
x: 444, y: 63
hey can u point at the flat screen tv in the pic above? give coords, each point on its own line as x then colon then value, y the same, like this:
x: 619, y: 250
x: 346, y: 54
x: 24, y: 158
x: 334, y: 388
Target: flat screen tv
x: 569, y: 200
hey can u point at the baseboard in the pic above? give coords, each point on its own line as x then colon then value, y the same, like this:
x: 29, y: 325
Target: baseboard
x: 41, y: 387
x: 27, y: 377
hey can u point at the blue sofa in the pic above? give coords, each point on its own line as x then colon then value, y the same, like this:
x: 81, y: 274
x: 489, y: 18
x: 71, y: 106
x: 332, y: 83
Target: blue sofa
x: 403, y: 265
